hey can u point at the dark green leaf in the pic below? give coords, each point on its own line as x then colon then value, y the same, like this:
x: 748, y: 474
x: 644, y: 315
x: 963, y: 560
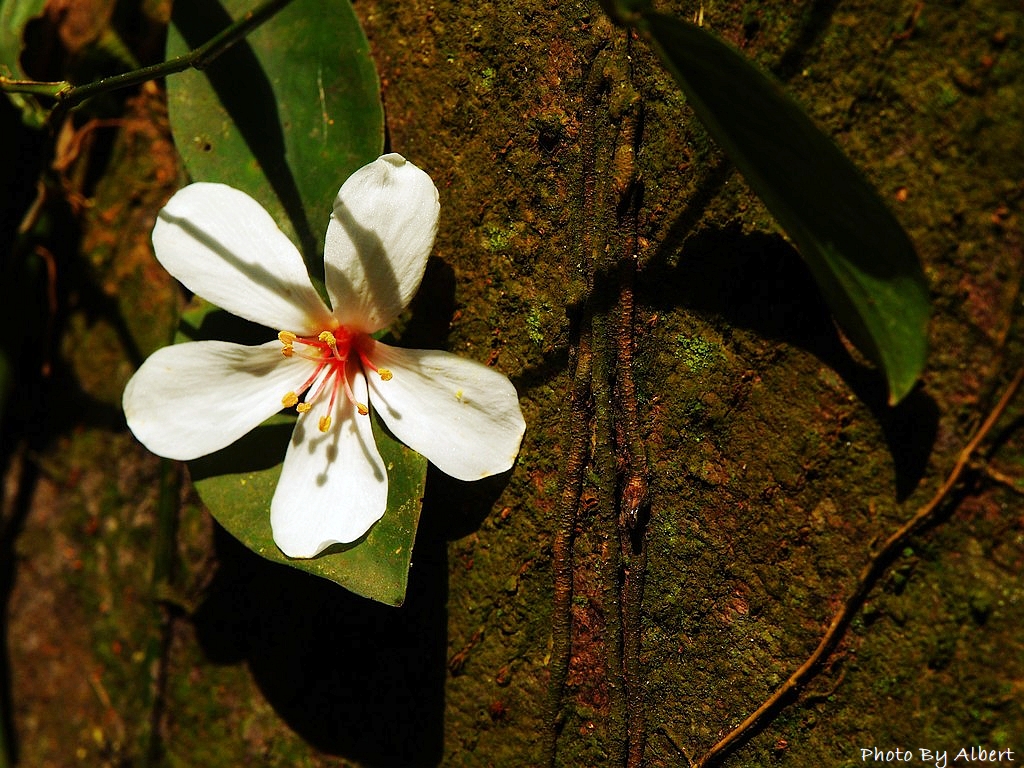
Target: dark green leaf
x: 286, y: 115
x: 14, y: 15
x: 860, y: 256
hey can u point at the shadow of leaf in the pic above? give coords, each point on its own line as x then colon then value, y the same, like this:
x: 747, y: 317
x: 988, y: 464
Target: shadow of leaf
x: 351, y: 676
x: 758, y: 282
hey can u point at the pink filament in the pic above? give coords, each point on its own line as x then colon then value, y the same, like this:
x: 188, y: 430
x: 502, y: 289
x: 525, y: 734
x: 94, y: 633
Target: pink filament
x: 336, y: 358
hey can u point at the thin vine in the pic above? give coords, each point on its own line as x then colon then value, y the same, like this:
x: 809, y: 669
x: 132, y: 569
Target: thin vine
x: 66, y: 95
x: 869, y: 576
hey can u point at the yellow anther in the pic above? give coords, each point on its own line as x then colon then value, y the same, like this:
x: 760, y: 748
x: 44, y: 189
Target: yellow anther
x: 458, y: 395
x: 363, y: 410
x: 289, y: 400
x: 328, y: 338
x: 385, y: 374
x: 325, y: 423
x: 303, y: 407
x: 287, y: 338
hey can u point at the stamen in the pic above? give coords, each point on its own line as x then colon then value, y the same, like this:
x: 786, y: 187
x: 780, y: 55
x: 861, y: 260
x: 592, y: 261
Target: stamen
x: 287, y: 338
x: 320, y: 389
x: 349, y: 394
x: 329, y: 351
x: 384, y: 373
x: 328, y: 338
x: 293, y: 399
x: 334, y: 394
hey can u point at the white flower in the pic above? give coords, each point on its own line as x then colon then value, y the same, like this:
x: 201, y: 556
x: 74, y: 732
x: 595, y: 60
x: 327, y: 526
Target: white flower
x: 191, y: 399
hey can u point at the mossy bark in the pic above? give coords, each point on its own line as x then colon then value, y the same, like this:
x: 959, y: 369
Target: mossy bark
x: 773, y: 464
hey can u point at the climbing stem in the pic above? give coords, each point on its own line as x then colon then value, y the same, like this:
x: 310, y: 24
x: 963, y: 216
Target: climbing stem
x: 66, y: 95
x: 633, y: 506
x: 632, y: 501
x: 578, y: 424
x: 609, y: 422
x: 610, y: 559
x: 574, y: 462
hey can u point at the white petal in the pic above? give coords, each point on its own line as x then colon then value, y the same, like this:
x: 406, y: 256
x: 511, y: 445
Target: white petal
x: 189, y: 400
x: 222, y: 245
x: 378, y: 241
x: 463, y: 416
x: 333, y: 485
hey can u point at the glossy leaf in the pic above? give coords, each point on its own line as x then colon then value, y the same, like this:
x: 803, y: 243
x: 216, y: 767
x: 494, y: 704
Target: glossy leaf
x: 237, y: 486
x: 859, y: 254
x: 286, y: 115
x: 238, y: 483
x: 14, y: 15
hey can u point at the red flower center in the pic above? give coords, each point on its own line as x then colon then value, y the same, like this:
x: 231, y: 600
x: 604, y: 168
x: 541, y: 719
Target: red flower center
x: 330, y: 352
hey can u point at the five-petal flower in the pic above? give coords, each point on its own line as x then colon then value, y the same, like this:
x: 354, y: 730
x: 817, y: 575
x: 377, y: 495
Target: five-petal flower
x: 191, y: 399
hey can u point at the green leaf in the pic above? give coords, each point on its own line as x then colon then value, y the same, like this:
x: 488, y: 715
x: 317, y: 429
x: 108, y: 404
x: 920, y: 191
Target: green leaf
x: 238, y: 483
x: 859, y: 254
x: 14, y: 15
x: 286, y: 115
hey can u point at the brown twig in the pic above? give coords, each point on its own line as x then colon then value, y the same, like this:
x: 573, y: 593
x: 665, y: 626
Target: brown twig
x: 66, y: 95
x: 869, y: 575
x: 610, y: 567
x: 633, y: 488
x: 1014, y: 484
x: 578, y: 430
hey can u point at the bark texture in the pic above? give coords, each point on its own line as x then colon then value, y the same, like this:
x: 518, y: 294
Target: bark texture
x: 707, y: 466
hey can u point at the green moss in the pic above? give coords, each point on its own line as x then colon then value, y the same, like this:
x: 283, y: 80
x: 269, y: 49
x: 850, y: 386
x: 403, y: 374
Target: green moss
x: 486, y: 81
x: 497, y: 237
x: 945, y: 96
x: 697, y: 354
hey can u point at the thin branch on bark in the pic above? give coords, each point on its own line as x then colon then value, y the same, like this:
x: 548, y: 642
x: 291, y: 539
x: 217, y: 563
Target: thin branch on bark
x: 577, y: 429
x: 66, y: 95
x: 868, y: 577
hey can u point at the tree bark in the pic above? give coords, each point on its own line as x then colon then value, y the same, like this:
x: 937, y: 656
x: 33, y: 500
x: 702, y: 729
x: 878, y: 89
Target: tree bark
x: 707, y: 468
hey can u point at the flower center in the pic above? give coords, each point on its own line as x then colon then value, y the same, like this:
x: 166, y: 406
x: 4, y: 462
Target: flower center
x: 330, y: 351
